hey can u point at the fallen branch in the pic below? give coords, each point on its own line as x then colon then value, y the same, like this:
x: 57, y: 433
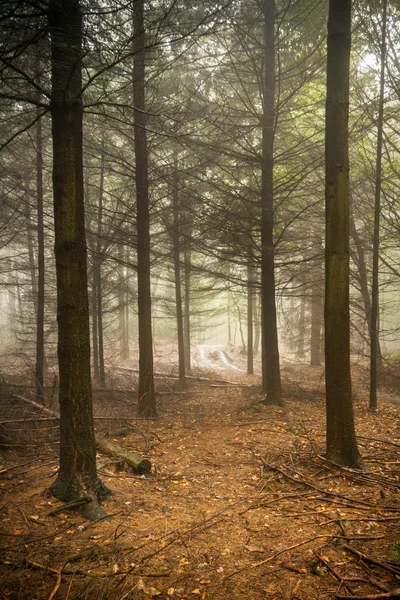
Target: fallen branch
x: 389, y: 595
x: 58, y: 583
x: 289, y: 548
x: 70, y: 505
x: 302, y: 481
x: 371, y: 560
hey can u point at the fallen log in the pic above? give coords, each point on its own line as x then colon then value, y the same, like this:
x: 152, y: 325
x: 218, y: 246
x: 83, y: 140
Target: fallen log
x: 137, y: 462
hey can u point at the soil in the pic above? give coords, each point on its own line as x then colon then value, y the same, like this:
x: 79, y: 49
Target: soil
x: 240, y: 504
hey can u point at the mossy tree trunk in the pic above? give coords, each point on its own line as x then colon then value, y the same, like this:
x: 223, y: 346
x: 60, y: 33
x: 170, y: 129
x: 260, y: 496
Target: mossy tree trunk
x: 146, y: 394
x: 77, y: 474
x: 270, y: 350
x: 341, y: 443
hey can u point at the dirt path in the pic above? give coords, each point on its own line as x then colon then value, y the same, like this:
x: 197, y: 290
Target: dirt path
x: 241, y: 505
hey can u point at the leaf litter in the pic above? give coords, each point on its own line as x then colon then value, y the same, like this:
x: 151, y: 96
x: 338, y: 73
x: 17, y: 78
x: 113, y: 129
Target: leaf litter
x: 241, y: 504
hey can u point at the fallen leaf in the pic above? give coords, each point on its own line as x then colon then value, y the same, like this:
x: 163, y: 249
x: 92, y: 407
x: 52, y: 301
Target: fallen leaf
x: 153, y: 592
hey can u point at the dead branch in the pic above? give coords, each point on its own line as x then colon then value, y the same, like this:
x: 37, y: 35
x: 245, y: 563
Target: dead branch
x: 372, y: 561
x: 70, y: 505
x: 394, y: 594
x: 321, y: 490
x: 288, y: 549
x: 58, y: 583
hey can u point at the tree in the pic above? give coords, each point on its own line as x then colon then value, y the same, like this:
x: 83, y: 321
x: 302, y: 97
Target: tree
x: 271, y: 368
x: 146, y: 397
x: 341, y: 443
x: 377, y: 211
x: 77, y: 474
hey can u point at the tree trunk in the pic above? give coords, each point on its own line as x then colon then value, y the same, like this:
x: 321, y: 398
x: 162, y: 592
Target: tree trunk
x: 240, y: 327
x: 122, y: 303
x: 146, y: 396
x: 187, y: 275
x: 302, y: 327
x: 373, y: 402
x: 177, y: 271
x: 127, y: 298
x: 229, y: 318
x: 250, y: 305
x: 316, y: 317
x: 341, y: 443
x: 270, y: 350
x: 95, y: 333
x: 97, y: 262
x: 257, y: 312
x: 31, y: 253
x: 77, y: 473
x: 99, y: 315
x: 39, y: 367
x: 362, y: 276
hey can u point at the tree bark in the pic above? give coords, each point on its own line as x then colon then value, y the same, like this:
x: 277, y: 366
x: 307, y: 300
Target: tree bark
x: 97, y: 261
x: 177, y: 271
x: 373, y: 402
x: 256, y: 322
x: 316, y: 317
x: 127, y: 299
x: 95, y: 336
x: 31, y: 251
x: 122, y: 304
x: 187, y: 276
x: 302, y: 327
x: 39, y: 367
x: 229, y: 318
x: 250, y: 305
x: 77, y: 473
x: 270, y: 350
x: 362, y: 276
x: 146, y: 394
x: 341, y: 443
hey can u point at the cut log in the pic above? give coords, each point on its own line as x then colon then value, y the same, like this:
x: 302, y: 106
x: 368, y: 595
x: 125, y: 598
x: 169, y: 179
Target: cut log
x: 137, y: 462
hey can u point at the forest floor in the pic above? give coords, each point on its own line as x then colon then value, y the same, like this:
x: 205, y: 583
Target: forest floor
x: 241, y: 503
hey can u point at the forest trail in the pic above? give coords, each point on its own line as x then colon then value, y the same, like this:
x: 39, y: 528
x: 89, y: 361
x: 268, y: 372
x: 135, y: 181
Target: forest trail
x: 241, y: 503
x: 214, y: 357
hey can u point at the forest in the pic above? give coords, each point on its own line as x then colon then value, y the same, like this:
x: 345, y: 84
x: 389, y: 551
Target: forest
x: 199, y: 299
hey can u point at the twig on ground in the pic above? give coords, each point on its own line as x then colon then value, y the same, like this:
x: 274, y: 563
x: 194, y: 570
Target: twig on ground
x: 56, y: 587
